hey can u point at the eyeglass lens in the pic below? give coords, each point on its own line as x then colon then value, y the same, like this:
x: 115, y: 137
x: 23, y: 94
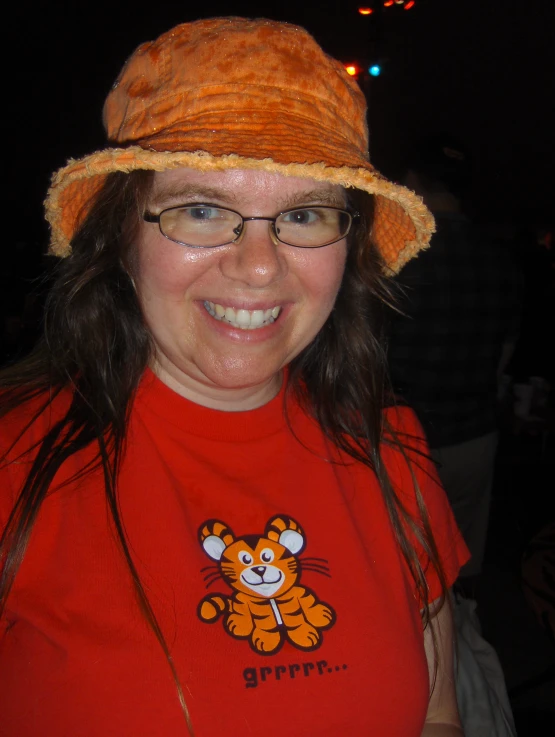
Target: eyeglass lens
x: 205, y: 226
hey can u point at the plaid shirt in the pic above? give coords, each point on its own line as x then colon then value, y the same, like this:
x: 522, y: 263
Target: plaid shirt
x: 462, y: 301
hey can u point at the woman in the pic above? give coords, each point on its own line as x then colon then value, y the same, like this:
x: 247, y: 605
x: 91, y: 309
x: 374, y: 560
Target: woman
x: 210, y: 520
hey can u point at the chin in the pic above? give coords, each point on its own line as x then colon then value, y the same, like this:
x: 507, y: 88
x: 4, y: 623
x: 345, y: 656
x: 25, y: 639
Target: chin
x: 201, y: 375
x: 242, y: 378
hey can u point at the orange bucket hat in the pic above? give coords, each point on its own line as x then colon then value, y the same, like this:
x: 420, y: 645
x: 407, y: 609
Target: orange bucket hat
x: 235, y: 93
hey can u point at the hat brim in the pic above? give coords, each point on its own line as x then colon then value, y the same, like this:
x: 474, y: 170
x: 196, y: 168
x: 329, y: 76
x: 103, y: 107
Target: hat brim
x: 402, y: 224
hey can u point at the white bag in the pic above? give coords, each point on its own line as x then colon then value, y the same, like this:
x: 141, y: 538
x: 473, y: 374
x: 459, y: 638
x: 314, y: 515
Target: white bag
x: 481, y: 692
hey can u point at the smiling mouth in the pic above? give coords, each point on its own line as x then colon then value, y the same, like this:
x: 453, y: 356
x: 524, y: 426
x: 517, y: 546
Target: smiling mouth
x: 263, y: 582
x: 242, y: 319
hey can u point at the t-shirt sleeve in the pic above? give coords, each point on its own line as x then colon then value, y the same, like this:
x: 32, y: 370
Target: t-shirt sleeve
x: 21, y: 431
x: 451, y: 548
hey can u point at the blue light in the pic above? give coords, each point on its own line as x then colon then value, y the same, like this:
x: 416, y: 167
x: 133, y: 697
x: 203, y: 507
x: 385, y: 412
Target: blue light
x: 375, y: 70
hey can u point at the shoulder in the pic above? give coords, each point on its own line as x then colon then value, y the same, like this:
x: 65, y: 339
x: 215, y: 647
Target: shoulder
x: 402, y: 429
x: 21, y: 431
x: 407, y: 455
x: 402, y: 418
x: 29, y: 421
x: 416, y: 483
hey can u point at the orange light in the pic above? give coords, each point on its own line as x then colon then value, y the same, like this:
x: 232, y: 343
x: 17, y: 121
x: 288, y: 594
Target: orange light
x: 388, y: 3
x: 409, y: 5
x: 351, y: 69
x: 366, y: 11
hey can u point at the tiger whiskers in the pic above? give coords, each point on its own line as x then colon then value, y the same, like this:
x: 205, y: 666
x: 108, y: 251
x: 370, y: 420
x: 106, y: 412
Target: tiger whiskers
x: 316, y: 565
x: 212, y: 576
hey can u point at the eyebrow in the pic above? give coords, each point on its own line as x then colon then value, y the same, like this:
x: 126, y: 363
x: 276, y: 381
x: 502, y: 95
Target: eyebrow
x: 331, y: 197
x: 173, y: 193
x: 179, y: 194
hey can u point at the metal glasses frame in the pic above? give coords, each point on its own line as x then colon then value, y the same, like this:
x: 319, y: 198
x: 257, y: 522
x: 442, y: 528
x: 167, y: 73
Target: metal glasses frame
x: 152, y: 218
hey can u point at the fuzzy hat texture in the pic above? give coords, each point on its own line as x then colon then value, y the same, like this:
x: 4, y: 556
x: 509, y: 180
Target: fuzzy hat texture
x: 236, y: 93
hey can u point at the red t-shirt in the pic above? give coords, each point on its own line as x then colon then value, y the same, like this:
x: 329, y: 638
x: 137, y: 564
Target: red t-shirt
x: 273, y: 572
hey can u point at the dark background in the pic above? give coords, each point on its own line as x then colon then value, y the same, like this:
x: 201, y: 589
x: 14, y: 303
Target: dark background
x: 482, y: 71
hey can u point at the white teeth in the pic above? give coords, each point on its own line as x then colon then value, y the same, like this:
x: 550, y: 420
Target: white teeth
x: 257, y: 318
x: 244, y: 319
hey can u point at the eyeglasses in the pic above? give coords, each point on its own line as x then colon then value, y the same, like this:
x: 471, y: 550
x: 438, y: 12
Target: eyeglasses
x: 208, y: 226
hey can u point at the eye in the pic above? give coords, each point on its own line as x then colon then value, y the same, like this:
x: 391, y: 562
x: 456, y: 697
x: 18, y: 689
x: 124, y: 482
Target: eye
x: 300, y: 217
x: 203, y: 213
x: 245, y: 558
x: 267, y: 555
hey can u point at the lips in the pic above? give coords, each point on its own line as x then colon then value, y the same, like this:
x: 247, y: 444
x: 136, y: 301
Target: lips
x: 242, y: 319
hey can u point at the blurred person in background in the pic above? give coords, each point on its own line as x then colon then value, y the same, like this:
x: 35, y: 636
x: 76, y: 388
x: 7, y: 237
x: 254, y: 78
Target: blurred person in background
x: 533, y: 360
x: 458, y: 324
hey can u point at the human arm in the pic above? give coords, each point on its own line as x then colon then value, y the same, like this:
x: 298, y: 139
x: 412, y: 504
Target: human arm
x: 442, y: 718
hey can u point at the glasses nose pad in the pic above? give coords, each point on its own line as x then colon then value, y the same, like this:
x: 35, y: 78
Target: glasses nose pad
x: 238, y: 231
x: 274, y: 231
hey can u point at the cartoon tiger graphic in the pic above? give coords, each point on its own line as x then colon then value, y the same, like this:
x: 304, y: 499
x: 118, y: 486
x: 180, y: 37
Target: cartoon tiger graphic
x: 268, y: 606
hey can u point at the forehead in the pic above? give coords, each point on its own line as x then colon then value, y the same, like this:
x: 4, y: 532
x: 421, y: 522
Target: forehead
x: 241, y: 186
x: 254, y: 544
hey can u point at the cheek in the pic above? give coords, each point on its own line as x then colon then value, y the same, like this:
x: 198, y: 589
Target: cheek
x: 322, y: 273
x: 165, y: 270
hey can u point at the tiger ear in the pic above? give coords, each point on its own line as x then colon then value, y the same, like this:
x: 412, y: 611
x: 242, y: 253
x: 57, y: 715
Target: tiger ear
x: 214, y: 547
x: 286, y: 532
x: 292, y: 540
x: 215, y: 537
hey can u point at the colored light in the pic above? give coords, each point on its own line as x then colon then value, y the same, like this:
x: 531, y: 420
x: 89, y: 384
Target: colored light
x: 366, y: 11
x: 375, y: 70
x: 351, y: 69
x: 399, y: 2
x: 409, y: 5
x: 388, y: 3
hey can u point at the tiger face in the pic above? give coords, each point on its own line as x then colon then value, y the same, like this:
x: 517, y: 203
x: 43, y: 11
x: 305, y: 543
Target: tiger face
x: 262, y: 568
x: 256, y: 564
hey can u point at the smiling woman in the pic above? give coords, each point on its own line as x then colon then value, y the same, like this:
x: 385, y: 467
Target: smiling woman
x: 209, y: 407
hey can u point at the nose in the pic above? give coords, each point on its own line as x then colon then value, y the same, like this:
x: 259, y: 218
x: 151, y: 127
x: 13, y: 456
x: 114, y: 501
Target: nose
x: 256, y: 259
x: 259, y: 570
